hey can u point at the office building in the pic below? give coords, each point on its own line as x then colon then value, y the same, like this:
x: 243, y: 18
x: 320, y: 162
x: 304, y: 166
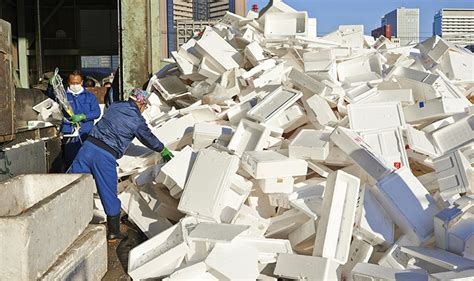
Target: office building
x: 455, y: 25
x: 405, y: 24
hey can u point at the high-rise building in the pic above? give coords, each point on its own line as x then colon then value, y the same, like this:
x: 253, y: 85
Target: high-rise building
x: 405, y: 24
x: 455, y: 25
x: 180, y: 19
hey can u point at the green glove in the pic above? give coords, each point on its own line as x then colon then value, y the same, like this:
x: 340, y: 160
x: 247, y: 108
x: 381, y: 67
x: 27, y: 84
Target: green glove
x: 166, y: 154
x: 77, y: 118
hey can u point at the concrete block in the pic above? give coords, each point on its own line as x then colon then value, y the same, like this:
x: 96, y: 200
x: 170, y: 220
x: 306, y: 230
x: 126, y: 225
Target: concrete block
x: 368, y: 116
x: 335, y: 226
x: 306, y: 267
x: 175, y: 173
x: 218, y: 51
x: 32, y: 208
x: 394, y: 257
x: 310, y: 144
x: 28, y: 157
x: 461, y: 275
x: 408, y: 203
x: 443, y: 259
x: 140, y: 213
x: 205, y: 134
x: 367, y: 271
x: 277, y: 185
x: 433, y: 109
x: 233, y: 262
x: 250, y: 136
x: 353, y: 145
x: 159, y: 256
x: 373, y: 224
x: 207, y: 203
x: 250, y: 217
x: 455, y: 135
x: 359, y: 252
x: 319, y: 111
x: 271, y: 164
x: 286, y: 24
x: 85, y: 259
x: 274, y: 104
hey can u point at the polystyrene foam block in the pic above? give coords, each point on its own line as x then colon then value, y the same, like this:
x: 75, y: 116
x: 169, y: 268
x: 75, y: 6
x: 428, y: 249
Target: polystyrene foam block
x: 282, y: 225
x: 32, y: 210
x: 453, y: 228
x: 286, y: 24
x: 353, y: 145
x: 306, y: 267
x: 454, y: 173
x: 205, y: 134
x: 305, y: 82
x: 319, y: 168
x: 254, y: 53
x: 290, y: 119
x: 215, y: 232
x: 372, y: 222
x: 310, y: 144
x: 172, y: 133
x: 271, y: 164
x: 250, y: 136
x: 159, y: 256
x: 421, y: 142
x: 267, y: 249
x: 218, y: 51
x: 273, y: 104
x: 441, y: 258
x: 250, y: 217
x: 233, y: 262
x: 408, y: 203
x: 461, y: 275
x: 360, y: 93
x: 335, y: 226
x: 455, y: 135
x: 277, y: 185
x: 302, y: 239
x: 367, y: 271
x: 240, y: 189
x: 207, y: 202
x: 360, y: 251
x: 394, y: 257
x: 422, y: 83
x: 319, y: 111
x: 433, y: 109
x: 389, y: 144
x: 404, y: 96
x: 368, y: 116
x: 197, y: 271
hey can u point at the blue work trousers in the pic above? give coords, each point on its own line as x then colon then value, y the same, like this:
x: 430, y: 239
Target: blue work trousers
x: 94, y: 160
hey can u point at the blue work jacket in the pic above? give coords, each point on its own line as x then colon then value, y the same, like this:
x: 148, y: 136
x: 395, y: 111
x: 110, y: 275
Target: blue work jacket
x: 120, y: 124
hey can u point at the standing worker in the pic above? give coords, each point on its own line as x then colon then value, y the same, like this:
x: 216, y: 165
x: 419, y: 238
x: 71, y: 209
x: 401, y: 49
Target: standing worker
x: 107, y: 142
x: 86, y: 110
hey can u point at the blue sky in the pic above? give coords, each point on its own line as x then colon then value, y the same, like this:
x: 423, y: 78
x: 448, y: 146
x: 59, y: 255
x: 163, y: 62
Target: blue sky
x: 331, y: 13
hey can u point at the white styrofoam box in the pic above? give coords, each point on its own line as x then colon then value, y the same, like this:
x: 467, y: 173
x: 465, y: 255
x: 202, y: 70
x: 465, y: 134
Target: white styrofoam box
x: 372, y: 222
x: 197, y: 271
x: 248, y: 216
x: 185, y: 66
x: 306, y: 267
x: 215, y: 232
x: 224, y: 258
x: 32, y: 210
x: 175, y: 173
x: 240, y: 189
x: 453, y: 229
x: 259, y: 69
x: 286, y: 24
x: 360, y: 93
x: 421, y: 142
x: 429, y: 181
x: 172, y: 133
x: 290, y: 119
x: 454, y: 173
x: 279, y: 200
x: 408, y: 203
x: 277, y: 185
x: 270, y: 164
x: 359, y: 65
x: 353, y: 145
x: 140, y: 213
x: 218, y: 51
x: 146, y: 176
x: 312, y: 27
x: 318, y: 61
x: 159, y: 256
x: 254, y: 53
x: 394, y: 257
x: 208, y: 202
x: 302, y: 238
x: 237, y: 112
x: 468, y: 252
x: 375, y: 116
x: 422, y: 83
x: 358, y: 79
x: 209, y: 70
x: 310, y: 144
x: 458, y: 66
x: 319, y: 111
x: 389, y: 144
x: 250, y: 136
x: 85, y: 259
x: 268, y: 249
x: 433, y: 109
x: 305, y: 82
x: 404, y: 96
x: 273, y: 76
x: 274, y: 104
x: 319, y: 168
x: 337, y: 157
x: 335, y: 225
x: 461, y: 275
x: 441, y: 258
x: 455, y: 135
x: 360, y: 251
x: 367, y: 271
x: 282, y: 225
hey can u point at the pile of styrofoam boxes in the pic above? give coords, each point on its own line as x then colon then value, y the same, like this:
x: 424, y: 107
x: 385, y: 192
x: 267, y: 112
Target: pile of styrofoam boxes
x: 45, y: 232
x: 312, y: 158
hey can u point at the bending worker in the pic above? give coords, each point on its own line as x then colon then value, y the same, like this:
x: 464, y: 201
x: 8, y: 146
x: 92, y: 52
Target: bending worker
x: 107, y: 142
x: 86, y: 110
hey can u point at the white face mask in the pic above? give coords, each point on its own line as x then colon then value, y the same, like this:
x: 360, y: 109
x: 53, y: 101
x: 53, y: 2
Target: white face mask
x: 76, y: 89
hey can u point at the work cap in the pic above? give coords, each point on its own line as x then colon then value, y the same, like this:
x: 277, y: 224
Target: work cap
x: 139, y: 96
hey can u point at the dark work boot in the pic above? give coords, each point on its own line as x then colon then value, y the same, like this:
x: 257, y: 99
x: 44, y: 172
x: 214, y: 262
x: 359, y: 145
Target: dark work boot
x: 113, y: 229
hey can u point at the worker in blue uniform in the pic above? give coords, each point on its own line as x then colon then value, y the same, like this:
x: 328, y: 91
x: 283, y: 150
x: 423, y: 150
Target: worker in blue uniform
x: 107, y: 142
x: 86, y: 110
